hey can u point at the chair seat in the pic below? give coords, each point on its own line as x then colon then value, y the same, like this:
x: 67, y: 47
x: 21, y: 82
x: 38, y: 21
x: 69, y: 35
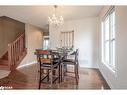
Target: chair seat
x: 47, y: 61
x: 69, y: 61
x: 55, y: 64
x: 50, y: 63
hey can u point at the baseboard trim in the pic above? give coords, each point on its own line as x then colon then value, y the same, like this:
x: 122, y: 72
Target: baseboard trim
x: 28, y: 64
x: 4, y: 73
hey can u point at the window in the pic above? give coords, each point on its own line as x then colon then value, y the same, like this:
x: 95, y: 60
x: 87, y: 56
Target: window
x: 108, y: 39
x: 46, y: 43
x: 67, y: 39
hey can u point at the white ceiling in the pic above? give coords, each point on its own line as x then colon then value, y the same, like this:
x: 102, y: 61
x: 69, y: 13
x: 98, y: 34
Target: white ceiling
x: 37, y: 15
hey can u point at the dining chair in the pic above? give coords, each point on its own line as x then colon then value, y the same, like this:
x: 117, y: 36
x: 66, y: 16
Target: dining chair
x: 49, y: 62
x: 72, y: 61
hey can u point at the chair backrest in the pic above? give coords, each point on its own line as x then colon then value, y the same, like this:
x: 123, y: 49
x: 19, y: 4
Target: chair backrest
x: 47, y: 56
x: 44, y: 56
x: 56, y: 56
x: 76, y: 54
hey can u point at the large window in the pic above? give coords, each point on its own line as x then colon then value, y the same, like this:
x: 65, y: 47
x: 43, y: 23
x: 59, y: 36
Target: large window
x: 108, y: 39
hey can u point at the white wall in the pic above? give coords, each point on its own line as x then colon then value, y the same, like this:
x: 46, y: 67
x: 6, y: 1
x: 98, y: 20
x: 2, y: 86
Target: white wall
x: 85, y: 38
x: 117, y: 80
x: 34, y: 38
x: 54, y: 36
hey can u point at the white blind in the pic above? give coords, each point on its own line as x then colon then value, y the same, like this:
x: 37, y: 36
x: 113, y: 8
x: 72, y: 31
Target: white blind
x: 67, y: 39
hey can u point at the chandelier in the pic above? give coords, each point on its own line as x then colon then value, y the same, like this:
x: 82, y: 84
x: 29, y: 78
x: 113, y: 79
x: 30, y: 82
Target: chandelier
x: 55, y: 19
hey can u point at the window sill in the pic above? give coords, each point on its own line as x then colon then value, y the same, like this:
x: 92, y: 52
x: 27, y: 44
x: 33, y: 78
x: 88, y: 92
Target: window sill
x: 113, y: 71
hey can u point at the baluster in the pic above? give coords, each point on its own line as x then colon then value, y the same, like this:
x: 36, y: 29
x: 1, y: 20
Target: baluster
x: 20, y: 46
x: 18, y: 49
x: 9, y: 55
x: 14, y: 53
x: 23, y: 42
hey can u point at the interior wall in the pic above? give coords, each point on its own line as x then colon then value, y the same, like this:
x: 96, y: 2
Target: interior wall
x: 54, y: 39
x: 10, y: 29
x: 34, y: 40
x: 85, y: 39
x: 117, y: 80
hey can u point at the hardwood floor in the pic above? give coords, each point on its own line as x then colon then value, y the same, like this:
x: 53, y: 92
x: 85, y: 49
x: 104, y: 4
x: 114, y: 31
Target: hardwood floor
x: 27, y: 78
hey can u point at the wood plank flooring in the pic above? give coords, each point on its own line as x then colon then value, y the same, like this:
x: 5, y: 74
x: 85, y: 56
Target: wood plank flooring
x: 27, y: 78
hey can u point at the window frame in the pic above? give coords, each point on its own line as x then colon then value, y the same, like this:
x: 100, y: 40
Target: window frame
x: 111, y: 63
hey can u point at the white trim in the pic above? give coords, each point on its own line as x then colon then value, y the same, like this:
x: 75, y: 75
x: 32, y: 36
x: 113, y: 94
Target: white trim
x: 4, y: 73
x: 27, y: 64
x: 106, y: 78
x: 110, y: 68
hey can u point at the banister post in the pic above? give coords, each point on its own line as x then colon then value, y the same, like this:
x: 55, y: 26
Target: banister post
x: 9, y: 55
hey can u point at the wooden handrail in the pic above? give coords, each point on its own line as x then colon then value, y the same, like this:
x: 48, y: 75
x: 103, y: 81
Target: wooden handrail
x: 15, y: 50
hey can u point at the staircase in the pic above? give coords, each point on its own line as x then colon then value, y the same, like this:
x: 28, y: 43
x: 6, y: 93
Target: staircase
x: 15, y: 54
x: 4, y: 61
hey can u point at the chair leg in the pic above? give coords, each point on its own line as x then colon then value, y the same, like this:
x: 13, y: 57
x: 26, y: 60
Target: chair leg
x: 65, y: 69
x: 48, y: 75
x: 59, y: 73
x: 78, y: 69
x: 51, y: 77
x: 40, y: 80
x: 78, y: 72
x: 76, y: 76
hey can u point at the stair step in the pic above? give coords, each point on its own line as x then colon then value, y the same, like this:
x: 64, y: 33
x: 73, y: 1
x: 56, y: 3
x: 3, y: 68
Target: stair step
x: 5, y: 56
x: 4, y: 65
x: 3, y: 62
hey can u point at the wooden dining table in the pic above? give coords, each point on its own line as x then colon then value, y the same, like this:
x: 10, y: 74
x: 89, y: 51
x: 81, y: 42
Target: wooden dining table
x: 62, y: 55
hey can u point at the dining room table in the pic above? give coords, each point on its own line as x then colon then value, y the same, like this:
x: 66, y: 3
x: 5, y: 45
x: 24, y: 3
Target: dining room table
x: 63, y: 53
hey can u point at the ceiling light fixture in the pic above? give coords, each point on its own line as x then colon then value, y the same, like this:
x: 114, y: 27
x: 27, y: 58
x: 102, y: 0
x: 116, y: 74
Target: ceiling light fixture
x: 55, y: 19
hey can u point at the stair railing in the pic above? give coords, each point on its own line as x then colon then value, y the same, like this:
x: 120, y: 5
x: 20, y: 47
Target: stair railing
x: 15, y: 50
